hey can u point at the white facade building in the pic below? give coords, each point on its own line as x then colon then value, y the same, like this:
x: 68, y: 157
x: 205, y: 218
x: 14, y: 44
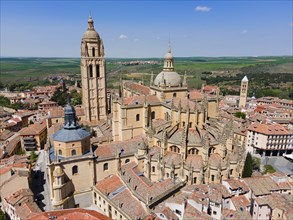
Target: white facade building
x: 269, y: 139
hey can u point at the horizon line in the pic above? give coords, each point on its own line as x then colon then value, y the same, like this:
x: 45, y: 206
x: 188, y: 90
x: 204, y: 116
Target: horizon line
x: 148, y: 57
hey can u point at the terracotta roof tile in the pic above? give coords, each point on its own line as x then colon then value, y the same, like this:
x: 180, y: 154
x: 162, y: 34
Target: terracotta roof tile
x: 269, y: 129
x: 141, y: 89
x: 34, y: 129
x: 71, y: 214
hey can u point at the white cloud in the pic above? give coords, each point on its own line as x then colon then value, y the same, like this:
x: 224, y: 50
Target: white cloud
x: 123, y: 36
x: 136, y: 39
x: 202, y: 8
x: 244, y: 31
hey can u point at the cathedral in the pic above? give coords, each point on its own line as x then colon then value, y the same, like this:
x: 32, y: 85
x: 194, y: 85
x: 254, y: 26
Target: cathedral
x: 163, y: 136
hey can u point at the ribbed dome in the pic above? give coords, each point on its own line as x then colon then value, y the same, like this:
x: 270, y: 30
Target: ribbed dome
x: 170, y: 78
x: 91, y: 33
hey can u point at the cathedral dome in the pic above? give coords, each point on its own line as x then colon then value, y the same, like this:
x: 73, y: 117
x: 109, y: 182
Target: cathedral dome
x: 168, y: 78
x: 91, y: 32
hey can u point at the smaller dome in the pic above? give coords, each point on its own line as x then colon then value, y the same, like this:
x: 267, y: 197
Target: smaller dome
x: 169, y: 56
x: 171, y: 78
x: 91, y: 33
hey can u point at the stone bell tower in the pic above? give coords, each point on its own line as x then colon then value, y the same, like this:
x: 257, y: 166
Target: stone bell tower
x: 93, y: 74
x: 243, y: 92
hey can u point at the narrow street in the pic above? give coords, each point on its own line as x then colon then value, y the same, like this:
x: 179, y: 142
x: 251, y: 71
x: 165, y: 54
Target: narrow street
x: 40, y: 182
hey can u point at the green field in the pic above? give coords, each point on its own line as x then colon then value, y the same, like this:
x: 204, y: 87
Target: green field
x: 222, y: 71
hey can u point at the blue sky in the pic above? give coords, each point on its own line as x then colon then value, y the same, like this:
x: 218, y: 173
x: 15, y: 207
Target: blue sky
x: 142, y: 28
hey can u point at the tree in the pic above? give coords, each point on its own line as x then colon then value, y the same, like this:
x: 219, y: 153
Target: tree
x: 76, y: 98
x: 256, y: 163
x: 5, y: 102
x: 268, y: 169
x: 240, y: 115
x: 2, y: 215
x: 60, y: 97
x: 33, y: 156
x: 247, y: 171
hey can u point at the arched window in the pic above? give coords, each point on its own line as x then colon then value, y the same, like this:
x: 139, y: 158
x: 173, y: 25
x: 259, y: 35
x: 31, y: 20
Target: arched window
x: 193, y: 151
x: 91, y: 70
x: 194, y: 180
x: 174, y: 95
x: 175, y: 149
x: 93, y: 51
x: 127, y: 161
x: 183, y: 123
x: 213, y: 178
x: 167, y: 175
x: 153, y: 169
x: 106, y: 166
x: 153, y: 115
x: 98, y: 70
x: 73, y: 152
x: 137, y: 117
x: 190, y: 124
x: 60, y: 152
x: 74, y: 170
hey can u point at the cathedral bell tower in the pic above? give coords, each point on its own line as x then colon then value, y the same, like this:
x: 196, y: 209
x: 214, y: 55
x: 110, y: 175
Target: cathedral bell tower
x: 93, y: 74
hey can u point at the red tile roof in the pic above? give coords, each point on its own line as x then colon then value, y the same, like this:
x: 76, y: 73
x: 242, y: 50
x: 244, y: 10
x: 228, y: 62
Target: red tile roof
x: 122, y: 198
x: 34, y: 129
x: 71, y: 214
x: 141, y: 89
x: 269, y: 129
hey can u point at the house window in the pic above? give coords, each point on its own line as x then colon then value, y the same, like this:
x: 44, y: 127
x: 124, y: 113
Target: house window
x: 190, y: 124
x: 153, y: 169
x: 91, y: 70
x: 74, y: 170
x: 213, y: 177
x: 153, y: 115
x: 73, y: 152
x: 127, y: 161
x: 106, y: 166
x: 174, y: 95
x: 60, y: 152
x: 167, y: 175
x: 137, y: 117
x: 214, y: 212
x: 93, y: 51
x: 194, y: 180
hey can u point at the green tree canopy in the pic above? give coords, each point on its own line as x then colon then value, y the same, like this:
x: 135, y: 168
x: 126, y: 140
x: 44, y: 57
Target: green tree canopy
x: 247, y: 171
x: 240, y: 115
